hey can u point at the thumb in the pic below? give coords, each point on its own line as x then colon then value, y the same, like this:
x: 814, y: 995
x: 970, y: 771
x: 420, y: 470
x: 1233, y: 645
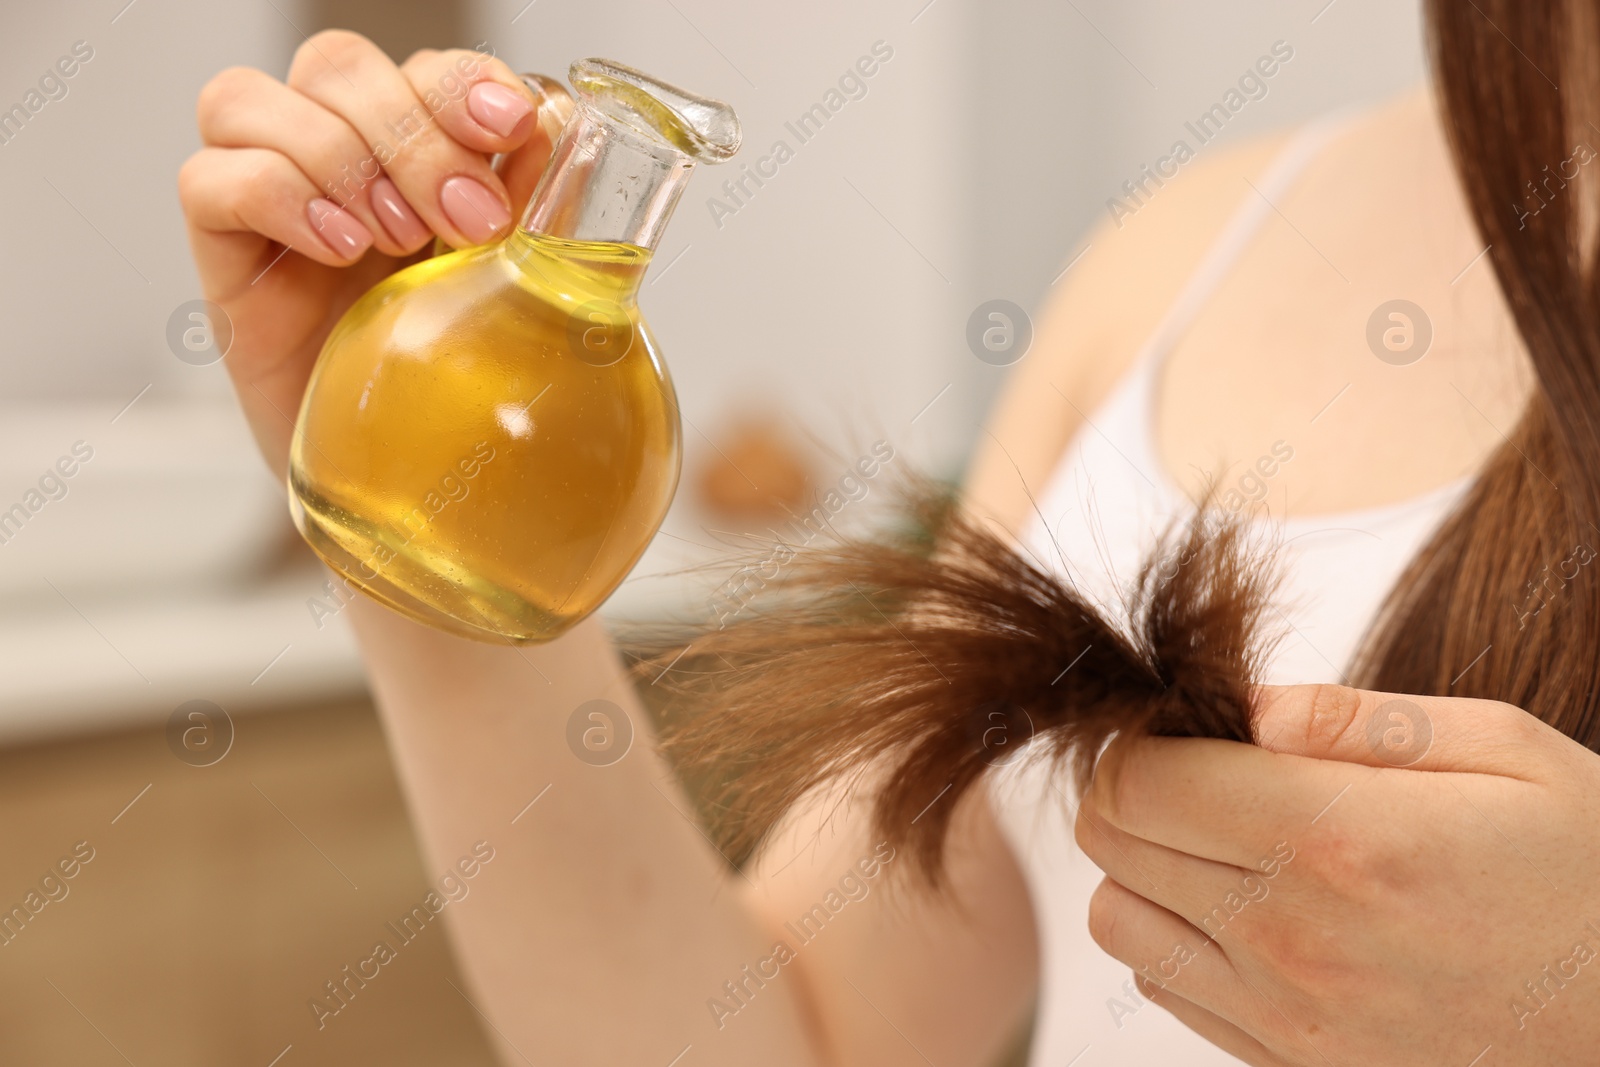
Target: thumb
x: 521, y: 168
x: 1425, y: 733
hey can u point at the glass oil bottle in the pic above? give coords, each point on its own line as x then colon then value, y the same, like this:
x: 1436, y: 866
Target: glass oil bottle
x: 490, y: 438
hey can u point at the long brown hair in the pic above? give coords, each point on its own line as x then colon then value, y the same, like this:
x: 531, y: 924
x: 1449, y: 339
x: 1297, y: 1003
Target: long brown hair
x: 1498, y: 604
x: 910, y: 660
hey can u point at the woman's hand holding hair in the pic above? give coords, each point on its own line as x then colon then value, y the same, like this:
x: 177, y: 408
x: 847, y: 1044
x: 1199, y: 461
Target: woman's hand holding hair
x: 1386, y: 880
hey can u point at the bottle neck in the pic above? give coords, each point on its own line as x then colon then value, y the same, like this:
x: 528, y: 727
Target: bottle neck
x: 605, y: 182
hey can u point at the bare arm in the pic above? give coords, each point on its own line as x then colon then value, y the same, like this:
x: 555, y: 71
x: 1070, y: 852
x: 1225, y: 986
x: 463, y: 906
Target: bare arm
x: 605, y: 922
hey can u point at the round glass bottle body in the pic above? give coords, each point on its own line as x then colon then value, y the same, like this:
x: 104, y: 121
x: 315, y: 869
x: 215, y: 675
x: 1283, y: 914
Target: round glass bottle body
x: 490, y: 438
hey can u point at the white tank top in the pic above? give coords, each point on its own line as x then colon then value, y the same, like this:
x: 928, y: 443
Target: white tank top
x: 1105, y: 504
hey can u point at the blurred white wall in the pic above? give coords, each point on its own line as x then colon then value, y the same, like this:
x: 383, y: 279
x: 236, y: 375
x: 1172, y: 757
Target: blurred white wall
x: 97, y: 257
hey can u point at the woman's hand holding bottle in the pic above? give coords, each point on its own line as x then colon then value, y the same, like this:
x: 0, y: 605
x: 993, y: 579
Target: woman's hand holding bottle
x: 310, y: 190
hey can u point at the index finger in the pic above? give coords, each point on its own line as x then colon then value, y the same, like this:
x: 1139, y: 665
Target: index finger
x: 475, y: 98
x: 476, y: 103
x: 1225, y: 801
x: 521, y: 168
x: 1219, y: 800
x: 1424, y: 733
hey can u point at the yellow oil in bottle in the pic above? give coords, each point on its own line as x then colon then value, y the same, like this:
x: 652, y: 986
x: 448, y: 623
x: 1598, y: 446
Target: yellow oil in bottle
x: 490, y: 438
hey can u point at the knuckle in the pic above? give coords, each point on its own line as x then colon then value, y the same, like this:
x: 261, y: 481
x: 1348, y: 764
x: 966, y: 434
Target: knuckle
x: 1122, y: 797
x: 443, y: 79
x: 469, y: 64
x: 1305, y: 956
x: 1154, y: 992
x: 342, y: 44
x: 420, y: 145
x: 1520, y: 727
x: 260, y: 181
x: 1112, y: 791
x: 328, y: 51
x: 1083, y: 833
x: 225, y: 89
x: 190, y: 181
x: 1331, y: 714
x: 429, y: 154
x: 421, y: 57
x: 1344, y: 864
x: 1105, y: 920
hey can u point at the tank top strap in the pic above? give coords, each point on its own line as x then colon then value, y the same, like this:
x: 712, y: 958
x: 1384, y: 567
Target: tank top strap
x: 1254, y: 209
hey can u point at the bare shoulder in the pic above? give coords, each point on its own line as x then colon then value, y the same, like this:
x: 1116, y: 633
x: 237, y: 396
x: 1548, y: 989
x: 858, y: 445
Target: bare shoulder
x: 1097, y: 317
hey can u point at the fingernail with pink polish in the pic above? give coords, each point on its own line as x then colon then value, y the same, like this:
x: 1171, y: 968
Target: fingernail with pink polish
x: 344, y: 234
x: 498, y: 108
x: 399, y: 221
x: 473, y: 209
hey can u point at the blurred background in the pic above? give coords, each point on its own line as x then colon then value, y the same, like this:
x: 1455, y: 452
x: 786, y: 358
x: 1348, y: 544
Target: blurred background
x: 827, y: 310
